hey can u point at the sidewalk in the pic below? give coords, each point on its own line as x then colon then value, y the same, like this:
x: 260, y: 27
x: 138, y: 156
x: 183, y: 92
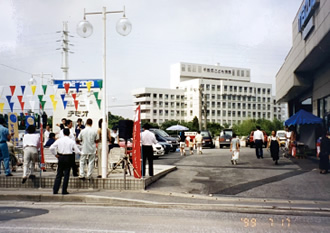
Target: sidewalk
x: 171, y: 200
x: 117, y: 180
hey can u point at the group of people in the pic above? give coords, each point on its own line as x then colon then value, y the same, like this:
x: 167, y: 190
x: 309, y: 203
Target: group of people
x: 90, y: 147
x: 197, y: 142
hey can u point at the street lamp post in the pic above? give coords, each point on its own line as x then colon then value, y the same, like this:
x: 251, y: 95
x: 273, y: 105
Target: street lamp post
x: 85, y: 29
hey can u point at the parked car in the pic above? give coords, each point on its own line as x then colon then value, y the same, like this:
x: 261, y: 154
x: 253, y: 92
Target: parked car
x: 174, y: 141
x: 207, y: 139
x: 167, y: 147
x: 225, y: 137
x: 252, y: 142
x: 281, y: 134
x: 158, y: 150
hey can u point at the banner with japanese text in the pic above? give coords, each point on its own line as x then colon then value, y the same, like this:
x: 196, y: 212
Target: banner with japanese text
x: 136, y: 150
x: 13, y: 127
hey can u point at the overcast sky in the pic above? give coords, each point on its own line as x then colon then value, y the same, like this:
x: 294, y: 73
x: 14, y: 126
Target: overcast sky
x: 255, y: 34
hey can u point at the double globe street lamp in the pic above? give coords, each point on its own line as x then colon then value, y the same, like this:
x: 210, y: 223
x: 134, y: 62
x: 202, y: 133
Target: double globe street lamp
x: 85, y: 29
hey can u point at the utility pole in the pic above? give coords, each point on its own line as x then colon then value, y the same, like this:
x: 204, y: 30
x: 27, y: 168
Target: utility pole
x: 205, y: 113
x: 200, y: 89
x: 65, y: 50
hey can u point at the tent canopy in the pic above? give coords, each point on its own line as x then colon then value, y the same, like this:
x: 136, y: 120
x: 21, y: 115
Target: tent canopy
x: 302, y: 118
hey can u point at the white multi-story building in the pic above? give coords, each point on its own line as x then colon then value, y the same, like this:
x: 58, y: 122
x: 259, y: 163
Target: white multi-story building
x: 224, y: 93
x: 159, y: 105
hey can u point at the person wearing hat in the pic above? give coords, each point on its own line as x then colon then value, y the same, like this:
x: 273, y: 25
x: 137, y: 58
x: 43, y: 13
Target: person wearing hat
x: 4, y: 153
x: 148, y: 139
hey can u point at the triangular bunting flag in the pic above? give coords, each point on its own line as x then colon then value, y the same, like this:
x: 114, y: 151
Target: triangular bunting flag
x: 54, y: 105
x: 22, y: 106
x: 12, y: 89
x: 65, y: 103
x: 52, y: 97
x: 62, y: 97
x: 66, y: 87
x: 99, y: 103
x: 77, y: 85
x: 74, y: 96
x: 100, y: 83
x: 89, y: 85
x: 32, y: 102
x: 55, y: 87
x: 96, y: 94
x: 1, y: 90
x: 20, y: 98
x: 2, y: 105
x: 23, y: 89
x: 76, y: 102
x: 11, y: 106
x: 33, y: 89
x: 40, y: 97
x: 8, y: 98
x: 42, y: 103
x: 44, y: 88
x: 85, y: 97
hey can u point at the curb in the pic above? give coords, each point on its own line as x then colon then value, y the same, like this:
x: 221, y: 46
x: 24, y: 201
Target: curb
x: 237, y: 205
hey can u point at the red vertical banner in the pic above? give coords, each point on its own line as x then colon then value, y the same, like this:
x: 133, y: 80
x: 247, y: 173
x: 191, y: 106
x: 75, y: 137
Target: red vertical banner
x: 136, y: 150
x: 42, y: 159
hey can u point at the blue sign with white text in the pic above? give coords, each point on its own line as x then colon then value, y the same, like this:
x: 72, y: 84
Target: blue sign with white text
x: 81, y: 83
x: 307, y: 10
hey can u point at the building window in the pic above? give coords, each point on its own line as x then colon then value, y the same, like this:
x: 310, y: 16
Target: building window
x: 238, y: 72
x: 213, y: 87
x: 189, y: 68
x: 218, y: 87
x: 166, y: 96
x: 155, y: 95
x: 183, y: 68
x: 242, y: 73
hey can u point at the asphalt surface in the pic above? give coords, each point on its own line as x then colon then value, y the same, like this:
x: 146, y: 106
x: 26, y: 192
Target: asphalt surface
x: 211, y: 182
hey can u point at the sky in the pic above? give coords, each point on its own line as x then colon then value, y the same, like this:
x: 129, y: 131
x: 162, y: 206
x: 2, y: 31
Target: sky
x: 254, y: 34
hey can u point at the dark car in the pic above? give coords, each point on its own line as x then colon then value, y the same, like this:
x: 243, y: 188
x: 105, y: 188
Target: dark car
x: 251, y: 142
x: 225, y: 137
x: 207, y: 139
x: 170, y: 140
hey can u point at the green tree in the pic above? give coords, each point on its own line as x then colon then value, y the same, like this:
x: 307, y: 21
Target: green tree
x: 214, y: 128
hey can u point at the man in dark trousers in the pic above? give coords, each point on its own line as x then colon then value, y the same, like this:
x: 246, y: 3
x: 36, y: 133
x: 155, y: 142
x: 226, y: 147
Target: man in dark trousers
x: 148, y: 139
x: 258, y: 138
x: 4, y: 153
x: 63, y: 149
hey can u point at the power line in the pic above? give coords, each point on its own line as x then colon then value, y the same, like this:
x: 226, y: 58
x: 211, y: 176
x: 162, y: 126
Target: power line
x: 13, y: 68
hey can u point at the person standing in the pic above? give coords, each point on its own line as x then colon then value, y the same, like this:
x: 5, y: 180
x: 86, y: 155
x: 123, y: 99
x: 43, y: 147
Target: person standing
x: 199, y: 142
x: 89, y: 138
x: 324, y: 153
x: 99, y: 147
x: 68, y: 125
x: 50, y: 141
x: 63, y: 148
x: 234, y: 148
x: 182, y: 144
x: 4, y: 153
x: 79, y: 127
x: 258, y: 138
x: 148, y: 139
x: 274, y: 145
x: 288, y: 136
x: 46, y: 134
x: 31, y: 145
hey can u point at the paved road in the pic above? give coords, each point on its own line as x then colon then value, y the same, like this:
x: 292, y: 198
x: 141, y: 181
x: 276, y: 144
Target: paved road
x: 213, y: 174
x: 27, y: 217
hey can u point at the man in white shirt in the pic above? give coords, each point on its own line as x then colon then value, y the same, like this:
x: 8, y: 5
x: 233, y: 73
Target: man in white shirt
x: 258, y: 138
x: 63, y: 149
x: 31, y: 145
x: 147, y: 139
x: 199, y: 142
x: 89, y: 138
x: 46, y: 134
x: 68, y: 125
